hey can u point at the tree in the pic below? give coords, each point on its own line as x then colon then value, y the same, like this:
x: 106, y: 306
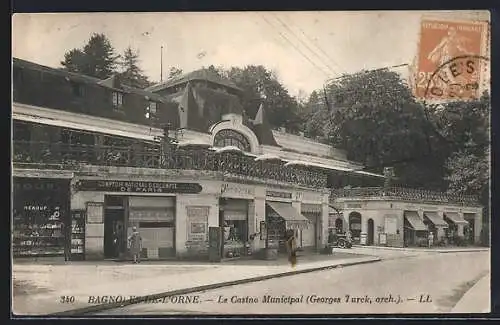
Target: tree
x: 465, y: 124
x: 374, y: 117
x: 76, y: 61
x: 261, y: 86
x: 96, y: 59
x: 132, y: 74
x: 173, y: 73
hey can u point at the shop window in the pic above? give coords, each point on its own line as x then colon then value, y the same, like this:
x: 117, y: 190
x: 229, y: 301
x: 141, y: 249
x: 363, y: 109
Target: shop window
x: 235, y: 231
x: 40, y: 220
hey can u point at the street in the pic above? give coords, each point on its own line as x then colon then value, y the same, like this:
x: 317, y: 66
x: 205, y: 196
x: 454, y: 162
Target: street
x: 428, y: 283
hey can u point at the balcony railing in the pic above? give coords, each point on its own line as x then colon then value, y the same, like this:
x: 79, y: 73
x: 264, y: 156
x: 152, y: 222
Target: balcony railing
x: 152, y: 157
x: 404, y: 194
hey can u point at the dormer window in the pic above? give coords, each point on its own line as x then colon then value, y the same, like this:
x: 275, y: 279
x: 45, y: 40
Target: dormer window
x: 151, y: 110
x: 152, y: 107
x: 117, y: 99
x: 77, y: 89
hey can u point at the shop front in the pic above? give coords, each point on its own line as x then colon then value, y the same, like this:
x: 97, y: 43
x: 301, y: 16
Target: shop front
x: 41, y: 217
x: 282, y: 217
x: 308, y: 236
x: 456, y: 228
x: 415, y: 231
x: 233, y: 214
x: 113, y: 207
x: 436, y: 225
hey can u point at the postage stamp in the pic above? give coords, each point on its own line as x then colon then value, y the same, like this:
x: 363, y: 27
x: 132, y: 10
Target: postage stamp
x: 248, y: 163
x: 452, y: 60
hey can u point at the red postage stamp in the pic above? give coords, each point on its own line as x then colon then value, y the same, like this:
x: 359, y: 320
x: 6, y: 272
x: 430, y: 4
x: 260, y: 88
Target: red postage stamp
x: 452, y: 60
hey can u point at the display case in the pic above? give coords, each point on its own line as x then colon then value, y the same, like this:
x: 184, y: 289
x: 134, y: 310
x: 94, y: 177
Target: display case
x: 77, y: 234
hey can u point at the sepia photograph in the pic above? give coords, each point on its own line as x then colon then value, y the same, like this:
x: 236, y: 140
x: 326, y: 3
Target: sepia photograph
x: 250, y: 163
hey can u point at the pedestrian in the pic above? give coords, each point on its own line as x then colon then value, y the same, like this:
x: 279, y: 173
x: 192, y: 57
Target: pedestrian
x: 332, y: 238
x: 291, y: 245
x: 431, y: 239
x: 135, y: 244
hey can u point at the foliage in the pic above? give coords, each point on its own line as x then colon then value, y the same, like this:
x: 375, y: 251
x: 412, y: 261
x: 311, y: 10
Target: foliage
x: 174, y: 73
x: 96, y: 59
x: 132, y: 74
x: 261, y: 86
x: 374, y: 117
x: 466, y: 126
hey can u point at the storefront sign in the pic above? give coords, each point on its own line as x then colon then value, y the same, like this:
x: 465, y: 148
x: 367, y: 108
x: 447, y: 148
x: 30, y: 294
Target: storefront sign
x: 382, y: 239
x: 281, y: 195
x: 354, y: 206
x: 95, y: 212
x: 307, y: 197
x: 197, y: 223
x: 235, y: 190
x: 138, y: 187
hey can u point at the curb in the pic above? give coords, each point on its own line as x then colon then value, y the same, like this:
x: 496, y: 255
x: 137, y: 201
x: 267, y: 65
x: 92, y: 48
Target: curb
x: 98, y: 308
x: 442, y: 251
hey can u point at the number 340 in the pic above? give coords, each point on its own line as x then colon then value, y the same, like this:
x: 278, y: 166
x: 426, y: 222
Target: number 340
x: 67, y: 299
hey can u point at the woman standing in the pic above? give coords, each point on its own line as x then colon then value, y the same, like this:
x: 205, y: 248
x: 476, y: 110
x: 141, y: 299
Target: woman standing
x: 135, y: 244
x: 291, y: 245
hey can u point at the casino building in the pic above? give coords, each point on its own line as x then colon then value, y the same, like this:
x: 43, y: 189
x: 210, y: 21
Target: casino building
x: 93, y: 158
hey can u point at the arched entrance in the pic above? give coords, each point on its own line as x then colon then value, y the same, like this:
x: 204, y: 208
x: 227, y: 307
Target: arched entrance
x: 339, y: 225
x: 355, y: 225
x: 371, y: 230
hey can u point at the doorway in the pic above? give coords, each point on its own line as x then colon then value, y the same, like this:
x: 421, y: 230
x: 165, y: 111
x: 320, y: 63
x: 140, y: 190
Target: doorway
x: 371, y: 230
x: 114, y: 227
x: 355, y: 226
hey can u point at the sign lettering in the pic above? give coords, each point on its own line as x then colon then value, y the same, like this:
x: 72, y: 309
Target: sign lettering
x: 138, y: 187
x: 282, y: 195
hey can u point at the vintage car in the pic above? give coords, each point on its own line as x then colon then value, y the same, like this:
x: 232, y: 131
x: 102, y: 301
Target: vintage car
x: 342, y: 242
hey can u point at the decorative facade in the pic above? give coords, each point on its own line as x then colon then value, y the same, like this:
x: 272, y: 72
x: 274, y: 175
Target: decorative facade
x: 93, y: 158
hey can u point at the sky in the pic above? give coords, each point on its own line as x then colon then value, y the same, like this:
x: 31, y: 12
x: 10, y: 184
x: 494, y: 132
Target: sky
x: 304, y: 49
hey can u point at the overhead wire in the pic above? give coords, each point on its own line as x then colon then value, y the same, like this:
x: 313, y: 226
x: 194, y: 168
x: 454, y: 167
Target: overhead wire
x: 294, y: 46
x: 303, y: 43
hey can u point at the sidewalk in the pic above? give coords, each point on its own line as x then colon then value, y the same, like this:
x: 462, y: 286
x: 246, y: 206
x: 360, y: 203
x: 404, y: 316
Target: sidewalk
x: 38, y: 288
x: 477, y: 299
x: 428, y: 250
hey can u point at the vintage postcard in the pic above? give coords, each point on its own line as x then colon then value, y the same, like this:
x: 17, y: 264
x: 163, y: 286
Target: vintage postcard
x: 251, y: 163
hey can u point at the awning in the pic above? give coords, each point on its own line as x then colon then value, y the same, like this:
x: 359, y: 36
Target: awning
x: 436, y: 219
x: 311, y: 208
x: 415, y: 220
x: 456, y: 218
x: 293, y: 218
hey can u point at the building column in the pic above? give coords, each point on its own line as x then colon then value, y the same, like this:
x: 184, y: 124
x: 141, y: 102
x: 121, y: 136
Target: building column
x: 323, y: 225
x: 259, y: 210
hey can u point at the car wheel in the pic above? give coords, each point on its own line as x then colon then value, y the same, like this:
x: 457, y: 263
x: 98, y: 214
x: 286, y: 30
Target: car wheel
x: 342, y: 244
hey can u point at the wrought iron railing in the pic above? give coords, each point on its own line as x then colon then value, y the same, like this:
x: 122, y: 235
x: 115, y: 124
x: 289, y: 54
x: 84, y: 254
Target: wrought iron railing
x: 405, y: 194
x: 152, y: 157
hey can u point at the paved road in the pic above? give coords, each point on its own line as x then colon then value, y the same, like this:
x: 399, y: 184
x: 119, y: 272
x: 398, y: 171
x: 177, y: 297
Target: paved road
x: 439, y: 280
